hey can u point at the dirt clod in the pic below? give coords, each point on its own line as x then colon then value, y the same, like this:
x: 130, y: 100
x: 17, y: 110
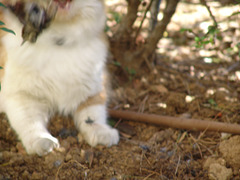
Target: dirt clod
x: 230, y: 150
x: 219, y: 172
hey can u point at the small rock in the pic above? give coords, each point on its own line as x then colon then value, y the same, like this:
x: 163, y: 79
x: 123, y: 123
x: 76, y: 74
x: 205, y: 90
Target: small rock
x: 144, y: 147
x: 68, y: 157
x: 76, y: 154
x: 189, y: 98
x: 57, y: 163
x: 36, y: 175
x: 25, y: 175
x: 60, y: 149
x: 218, y: 172
x: 159, y: 88
x: 225, y: 136
x: 160, y: 136
x: 126, y: 129
x: 53, y: 159
x: 72, y: 140
x: 65, y: 144
x: 212, y: 160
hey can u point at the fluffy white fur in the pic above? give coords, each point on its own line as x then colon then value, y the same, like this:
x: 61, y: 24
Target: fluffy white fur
x: 56, y: 74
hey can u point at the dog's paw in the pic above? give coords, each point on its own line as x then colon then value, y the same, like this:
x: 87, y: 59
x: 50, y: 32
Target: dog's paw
x: 43, y: 145
x: 101, y: 134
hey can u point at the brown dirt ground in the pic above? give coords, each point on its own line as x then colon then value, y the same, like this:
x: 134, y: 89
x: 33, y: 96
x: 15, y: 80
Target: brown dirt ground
x: 180, y: 84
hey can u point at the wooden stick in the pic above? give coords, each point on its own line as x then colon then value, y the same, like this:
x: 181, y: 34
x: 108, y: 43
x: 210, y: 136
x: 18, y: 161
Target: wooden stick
x: 177, y: 122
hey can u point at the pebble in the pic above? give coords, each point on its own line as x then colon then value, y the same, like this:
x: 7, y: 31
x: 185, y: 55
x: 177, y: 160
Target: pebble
x: 218, y: 172
x: 68, y: 157
x: 57, y: 163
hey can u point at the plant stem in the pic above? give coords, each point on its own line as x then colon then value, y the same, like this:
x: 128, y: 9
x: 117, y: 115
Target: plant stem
x: 210, y: 12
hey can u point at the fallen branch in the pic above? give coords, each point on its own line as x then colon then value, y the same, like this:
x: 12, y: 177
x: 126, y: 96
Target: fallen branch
x: 177, y: 122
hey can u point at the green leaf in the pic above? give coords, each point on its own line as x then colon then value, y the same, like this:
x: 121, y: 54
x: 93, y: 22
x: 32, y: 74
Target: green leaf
x: 131, y: 72
x: 196, y: 39
x: 185, y: 29
x: 212, y: 102
x: 117, y: 63
x: 8, y: 30
x: 2, y: 23
x: 1, y: 67
x: 111, y: 122
x: 107, y: 28
x: 219, y: 37
x: 117, y: 17
x: 206, y: 42
x: 2, y: 5
x: 235, y: 13
x: 212, y: 29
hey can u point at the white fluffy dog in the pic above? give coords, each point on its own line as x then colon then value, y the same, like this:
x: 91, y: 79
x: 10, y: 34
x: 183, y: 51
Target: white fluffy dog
x: 61, y: 71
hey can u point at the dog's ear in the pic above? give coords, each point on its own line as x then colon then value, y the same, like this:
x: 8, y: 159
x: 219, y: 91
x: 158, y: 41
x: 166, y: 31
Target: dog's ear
x: 35, y: 16
x: 10, y: 2
x: 18, y: 10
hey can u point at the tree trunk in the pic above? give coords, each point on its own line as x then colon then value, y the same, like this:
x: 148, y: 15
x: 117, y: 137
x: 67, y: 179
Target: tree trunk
x: 144, y: 53
x: 125, y: 28
x: 123, y: 44
x: 121, y: 40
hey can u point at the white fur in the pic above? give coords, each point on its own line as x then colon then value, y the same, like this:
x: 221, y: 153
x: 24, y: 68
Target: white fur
x: 43, y: 78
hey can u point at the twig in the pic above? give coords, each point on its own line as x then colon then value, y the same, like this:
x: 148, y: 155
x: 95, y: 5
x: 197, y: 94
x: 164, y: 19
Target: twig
x: 177, y: 122
x: 144, y: 17
x: 197, y: 144
x: 142, y: 104
x: 210, y: 12
x: 179, y: 159
x: 148, y: 176
x: 150, y: 171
